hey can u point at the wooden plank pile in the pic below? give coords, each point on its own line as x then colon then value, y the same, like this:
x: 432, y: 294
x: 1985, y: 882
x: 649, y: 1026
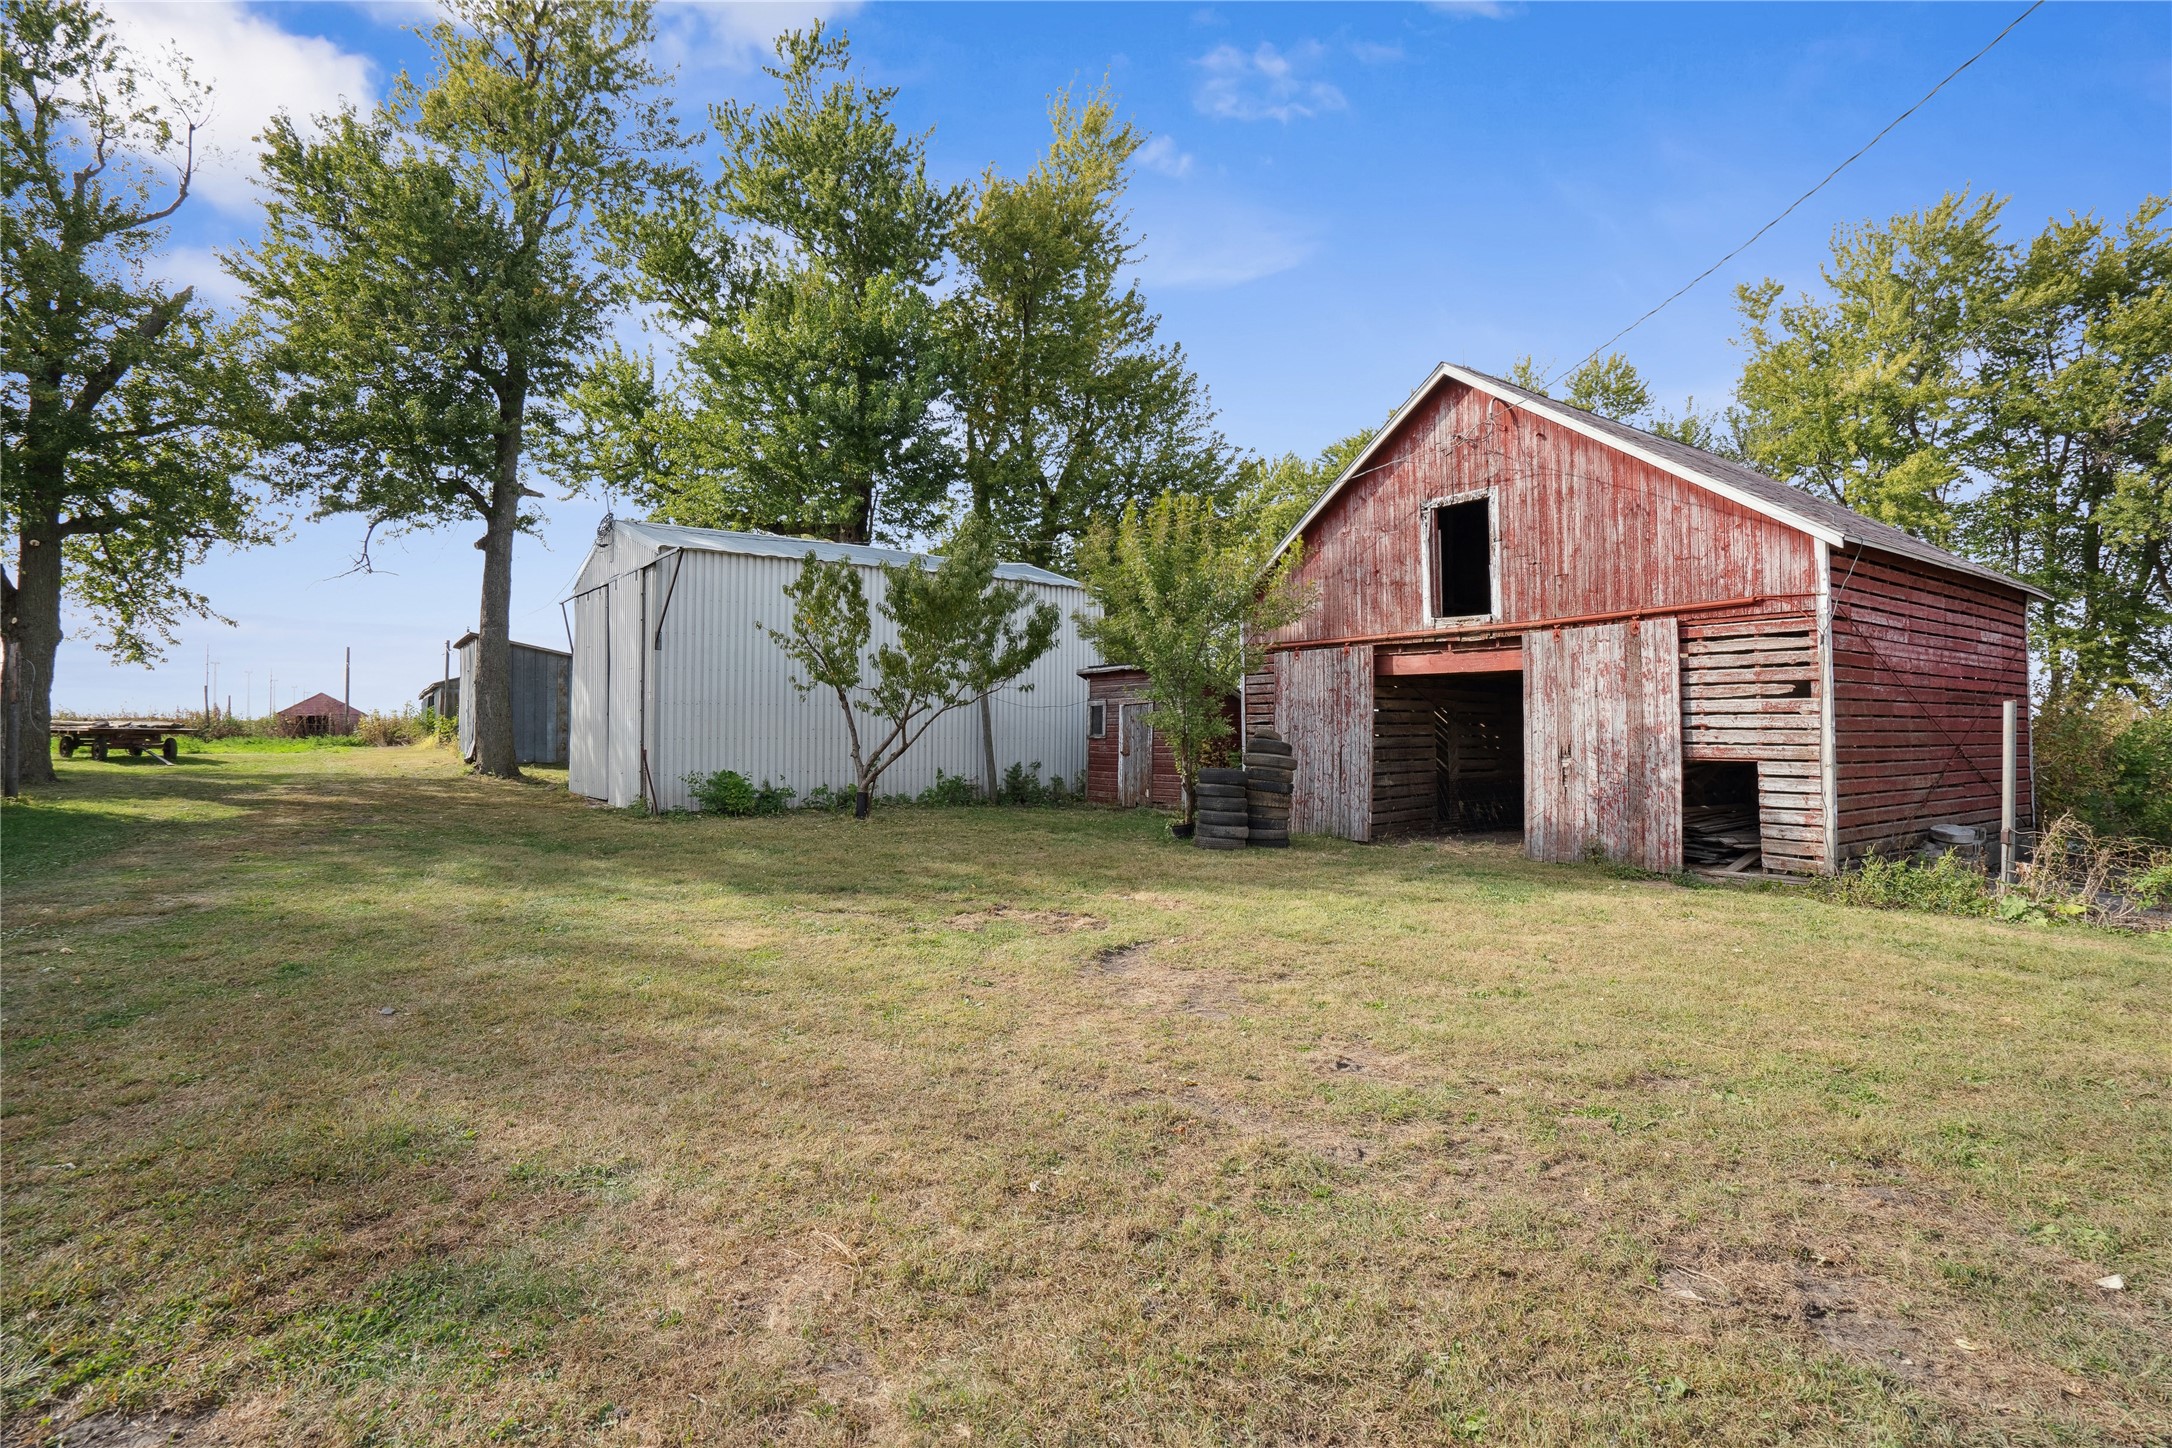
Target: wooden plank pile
x: 1720, y: 835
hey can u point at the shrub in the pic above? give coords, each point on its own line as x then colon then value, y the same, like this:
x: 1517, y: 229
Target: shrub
x: 950, y: 789
x: 1947, y: 885
x: 728, y: 792
x: 2077, y: 873
x: 2107, y: 762
x: 380, y: 730
x: 826, y: 797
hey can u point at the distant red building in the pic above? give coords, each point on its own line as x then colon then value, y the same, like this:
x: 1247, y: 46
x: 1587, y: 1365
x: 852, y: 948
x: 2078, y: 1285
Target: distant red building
x: 318, y: 714
x: 1126, y: 762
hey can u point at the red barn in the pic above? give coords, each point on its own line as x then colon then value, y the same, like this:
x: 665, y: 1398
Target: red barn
x: 1126, y: 762
x: 1530, y: 617
x: 318, y: 714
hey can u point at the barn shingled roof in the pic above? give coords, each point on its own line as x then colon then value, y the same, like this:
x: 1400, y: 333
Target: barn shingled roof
x: 1770, y: 496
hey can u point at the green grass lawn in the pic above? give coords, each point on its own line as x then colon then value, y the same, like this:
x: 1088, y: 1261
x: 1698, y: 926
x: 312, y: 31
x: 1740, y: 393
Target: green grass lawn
x: 348, y: 1100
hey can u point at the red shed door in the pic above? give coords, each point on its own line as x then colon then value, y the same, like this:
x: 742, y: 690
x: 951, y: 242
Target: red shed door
x: 1135, y: 756
x: 1603, y: 743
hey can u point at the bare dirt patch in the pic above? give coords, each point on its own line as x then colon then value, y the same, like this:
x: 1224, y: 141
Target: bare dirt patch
x: 1139, y: 978
x: 1044, y: 922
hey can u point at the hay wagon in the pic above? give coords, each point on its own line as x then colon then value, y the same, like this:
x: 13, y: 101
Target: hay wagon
x: 161, y: 738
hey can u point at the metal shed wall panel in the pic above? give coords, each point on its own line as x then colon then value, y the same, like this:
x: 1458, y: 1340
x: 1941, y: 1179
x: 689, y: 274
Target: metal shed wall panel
x: 1324, y: 708
x: 589, y: 722
x: 629, y: 647
x: 540, y: 683
x: 719, y: 693
x: 1603, y: 750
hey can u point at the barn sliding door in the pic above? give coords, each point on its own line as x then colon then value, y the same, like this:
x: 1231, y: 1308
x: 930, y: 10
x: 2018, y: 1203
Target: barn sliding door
x: 1325, y: 710
x: 1603, y: 743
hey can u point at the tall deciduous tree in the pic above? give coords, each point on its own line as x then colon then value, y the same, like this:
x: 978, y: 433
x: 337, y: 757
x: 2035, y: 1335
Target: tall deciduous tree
x: 2009, y: 400
x: 1273, y: 493
x: 1185, y: 593
x: 961, y: 635
x: 122, y: 405
x: 1069, y: 403
x: 429, y: 273
x: 809, y: 395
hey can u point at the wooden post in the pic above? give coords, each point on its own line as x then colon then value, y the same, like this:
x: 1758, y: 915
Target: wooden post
x: 987, y: 747
x: 2006, y: 792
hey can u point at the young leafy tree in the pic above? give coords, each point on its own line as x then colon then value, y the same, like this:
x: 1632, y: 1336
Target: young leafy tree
x: 808, y: 398
x: 1612, y: 387
x: 961, y: 635
x: 430, y: 278
x: 1185, y: 593
x: 1069, y: 404
x: 124, y: 410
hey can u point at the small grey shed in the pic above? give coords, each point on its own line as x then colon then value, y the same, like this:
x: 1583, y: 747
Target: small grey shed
x: 673, y: 674
x: 542, y: 681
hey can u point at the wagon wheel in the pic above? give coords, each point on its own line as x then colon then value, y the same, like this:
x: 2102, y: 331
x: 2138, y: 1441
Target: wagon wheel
x: 170, y: 749
x: 98, y: 749
x: 135, y: 751
x: 68, y: 745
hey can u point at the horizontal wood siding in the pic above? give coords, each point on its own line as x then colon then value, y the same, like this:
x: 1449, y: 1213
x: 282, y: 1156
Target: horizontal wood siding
x: 1922, y: 660
x: 1583, y: 529
x: 1603, y: 768
x: 1325, y: 710
x: 1404, y: 779
x: 1751, y: 693
x: 1259, y: 696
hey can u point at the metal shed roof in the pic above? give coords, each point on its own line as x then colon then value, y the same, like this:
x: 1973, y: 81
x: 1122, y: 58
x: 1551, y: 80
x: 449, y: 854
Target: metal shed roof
x: 1769, y: 496
x: 660, y: 536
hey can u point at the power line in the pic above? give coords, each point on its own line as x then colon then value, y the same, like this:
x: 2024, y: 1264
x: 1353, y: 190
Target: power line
x: 1844, y: 165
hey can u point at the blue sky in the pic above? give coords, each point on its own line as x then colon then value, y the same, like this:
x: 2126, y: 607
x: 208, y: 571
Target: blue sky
x: 1336, y: 197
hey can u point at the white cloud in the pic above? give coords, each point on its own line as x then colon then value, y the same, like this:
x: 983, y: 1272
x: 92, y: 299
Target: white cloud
x: 1470, y: 9
x: 739, y: 34
x: 1372, y: 52
x: 198, y: 267
x: 1264, y: 84
x: 1161, y: 154
x: 254, y: 69
x: 1221, y: 245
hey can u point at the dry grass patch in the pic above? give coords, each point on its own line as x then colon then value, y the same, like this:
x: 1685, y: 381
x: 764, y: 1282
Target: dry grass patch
x: 351, y: 1101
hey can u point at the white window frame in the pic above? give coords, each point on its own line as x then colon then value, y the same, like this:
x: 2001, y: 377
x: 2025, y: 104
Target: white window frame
x: 1097, y: 718
x: 1427, y: 550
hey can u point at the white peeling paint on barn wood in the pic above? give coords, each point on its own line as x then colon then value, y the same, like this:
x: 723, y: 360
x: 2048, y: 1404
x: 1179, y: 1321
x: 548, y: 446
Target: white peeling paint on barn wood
x: 1603, y: 755
x: 1324, y: 708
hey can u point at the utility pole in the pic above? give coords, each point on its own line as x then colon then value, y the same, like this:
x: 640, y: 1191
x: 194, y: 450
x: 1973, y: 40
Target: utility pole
x: 346, y: 695
x: 207, y: 683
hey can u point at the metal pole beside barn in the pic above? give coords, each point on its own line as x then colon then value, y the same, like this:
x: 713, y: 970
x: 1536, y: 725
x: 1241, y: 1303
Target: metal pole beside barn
x: 346, y: 695
x: 2006, y: 792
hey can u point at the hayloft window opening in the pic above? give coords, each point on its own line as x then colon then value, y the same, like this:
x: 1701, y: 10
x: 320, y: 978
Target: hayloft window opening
x: 1460, y: 542
x: 1097, y: 720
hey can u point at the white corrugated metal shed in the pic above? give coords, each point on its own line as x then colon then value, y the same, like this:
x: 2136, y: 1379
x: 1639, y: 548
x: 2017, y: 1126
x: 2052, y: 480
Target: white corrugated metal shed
x: 673, y: 673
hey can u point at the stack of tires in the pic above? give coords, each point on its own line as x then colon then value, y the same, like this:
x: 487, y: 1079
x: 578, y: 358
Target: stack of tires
x: 1222, y: 810
x: 1268, y: 764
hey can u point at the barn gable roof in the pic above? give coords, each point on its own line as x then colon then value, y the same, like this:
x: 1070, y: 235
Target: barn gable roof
x: 652, y: 539
x: 319, y: 703
x: 1774, y: 499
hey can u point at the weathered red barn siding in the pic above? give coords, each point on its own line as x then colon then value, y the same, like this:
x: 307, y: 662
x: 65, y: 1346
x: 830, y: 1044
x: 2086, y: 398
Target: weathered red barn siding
x: 1603, y: 751
x: 1922, y: 660
x: 1325, y: 709
x: 1115, y: 689
x: 1582, y: 528
x: 1752, y: 692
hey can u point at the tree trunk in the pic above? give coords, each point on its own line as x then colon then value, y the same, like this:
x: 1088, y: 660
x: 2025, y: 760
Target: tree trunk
x: 34, y: 630
x: 494, y: 750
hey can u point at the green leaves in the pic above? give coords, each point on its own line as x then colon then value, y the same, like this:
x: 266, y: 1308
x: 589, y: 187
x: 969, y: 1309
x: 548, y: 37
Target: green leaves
x: 2011, y: 400
x: 958, y: 634
x: 1069, y: 404
x: 1186, y: 595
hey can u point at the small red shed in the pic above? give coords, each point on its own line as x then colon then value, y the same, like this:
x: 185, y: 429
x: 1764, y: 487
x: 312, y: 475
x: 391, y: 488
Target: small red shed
x: 1531, y: 617
x: 1125, y: 763
x: 318, y: 714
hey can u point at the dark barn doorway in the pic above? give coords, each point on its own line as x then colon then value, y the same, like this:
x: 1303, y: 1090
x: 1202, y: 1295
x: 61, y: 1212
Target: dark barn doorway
x: 1448, y: 753
x: 1720, y: 825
